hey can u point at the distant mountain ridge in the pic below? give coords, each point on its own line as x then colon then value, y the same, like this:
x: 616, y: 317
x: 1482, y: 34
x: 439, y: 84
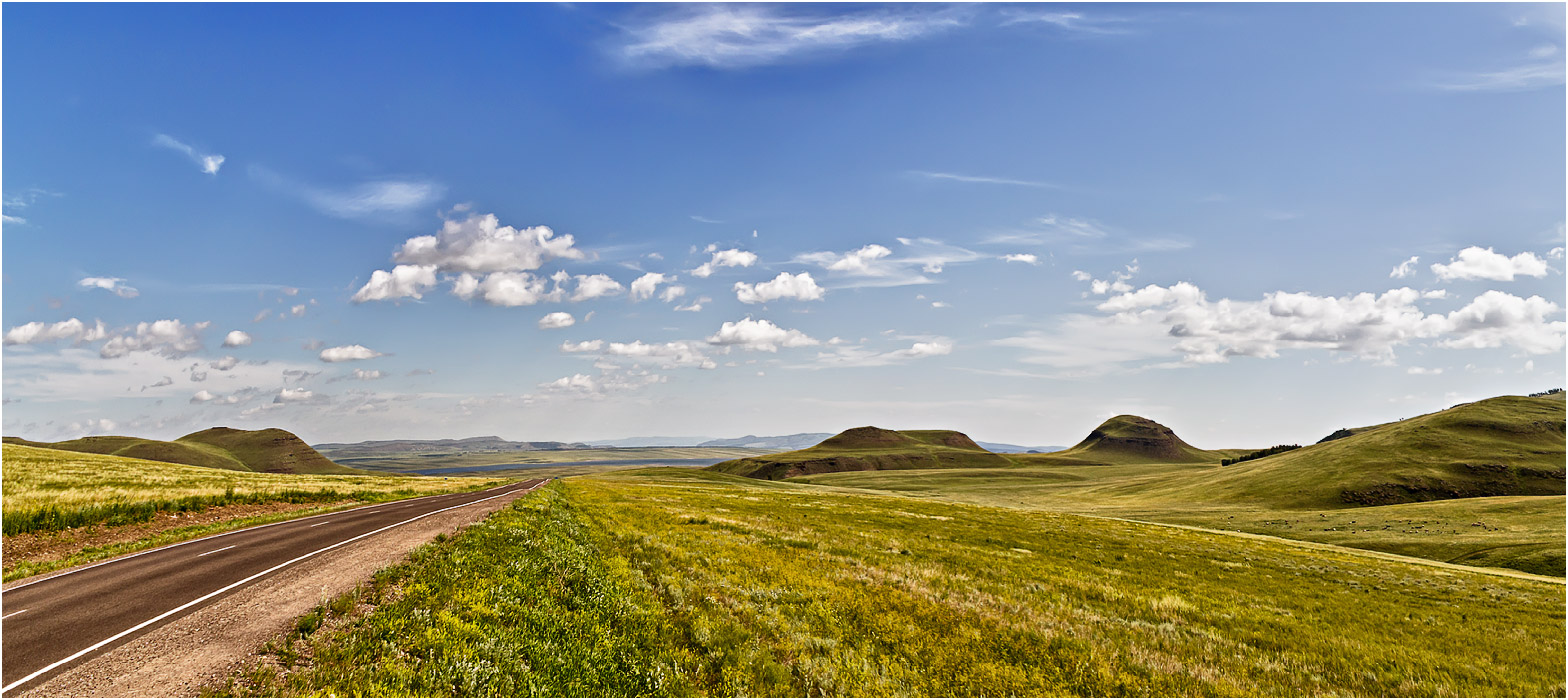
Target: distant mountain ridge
x: 272, y: 450
x: 487, y: 443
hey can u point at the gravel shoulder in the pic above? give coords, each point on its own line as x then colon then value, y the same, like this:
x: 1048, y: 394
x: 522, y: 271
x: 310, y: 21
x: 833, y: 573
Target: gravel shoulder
x: 178, y: 658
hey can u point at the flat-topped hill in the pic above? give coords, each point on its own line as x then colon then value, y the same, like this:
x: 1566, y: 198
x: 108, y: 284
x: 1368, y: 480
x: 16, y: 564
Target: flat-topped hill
x: 870, y: 449
x: 272, y: 450
x: 1128, y: 439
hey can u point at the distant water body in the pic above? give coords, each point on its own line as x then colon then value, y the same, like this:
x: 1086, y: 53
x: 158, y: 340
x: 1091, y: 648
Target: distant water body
x: 594, y: 463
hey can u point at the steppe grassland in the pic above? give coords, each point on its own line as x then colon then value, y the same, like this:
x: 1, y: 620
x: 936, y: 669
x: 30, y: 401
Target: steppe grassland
x: 674, y: 582
x: 52, y: 489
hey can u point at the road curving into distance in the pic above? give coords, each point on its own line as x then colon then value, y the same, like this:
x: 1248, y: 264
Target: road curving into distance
x: 54, y: 622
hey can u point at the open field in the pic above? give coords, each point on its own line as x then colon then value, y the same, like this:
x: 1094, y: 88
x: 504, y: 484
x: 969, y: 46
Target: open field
x: 682, y: 582
x: 631, y: 456
x: 48, y: 489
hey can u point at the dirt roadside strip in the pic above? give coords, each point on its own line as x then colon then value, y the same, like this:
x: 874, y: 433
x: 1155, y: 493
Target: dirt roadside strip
x: 208, y: 644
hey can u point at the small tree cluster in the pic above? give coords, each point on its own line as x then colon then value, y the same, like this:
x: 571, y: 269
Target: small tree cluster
x: 1260, y: 454
x: 1548, y: 392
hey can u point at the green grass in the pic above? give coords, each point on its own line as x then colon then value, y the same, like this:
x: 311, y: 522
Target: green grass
x: 270, y: 450
x: 46, y: 489
x: 682, y: 582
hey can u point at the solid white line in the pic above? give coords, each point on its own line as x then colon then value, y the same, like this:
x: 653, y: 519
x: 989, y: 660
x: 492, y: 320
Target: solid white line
x: 231, y: 587
x: 320, y: 524
x: 2, y: 617
x: 221, y: 534
x: 215, y: 551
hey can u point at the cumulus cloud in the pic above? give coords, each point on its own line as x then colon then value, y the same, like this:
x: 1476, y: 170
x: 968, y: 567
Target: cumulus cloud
x: 1116, y: 282
x: 556, y: 319
x: 71, y: 329
x: 695, y: 305
x: 297, y: 310
x: 584, y: 346
x: 402, y: 281
x: 480, y: 244
x: 506, y: 289
x: 760, y: 334
x: 236, y: 339
x: 366, y: 375
x: 1476, y: 263
x: 670, y: 355
x: 208, y: 162
x: 725, y: 258
x: 1029, y: 258
x: 348, y: 353
x: 860, y: 260
x: 643, y: 287
x: 293, y: 396
x: 785, y: 286
x: 1405, y: 269
x: 672, y: 292
x: 742, y: 36
x: 224, y: 364
x: 613, y: 380
x: 169, y: 338
x: 1180, y: 320
x: 595, y: 286
x: 876, y: 265
x: 114, y: 285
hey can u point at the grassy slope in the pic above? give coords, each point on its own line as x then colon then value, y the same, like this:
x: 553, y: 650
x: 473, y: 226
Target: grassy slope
x: 271, y: 450
x: 1298, y: 494
x: 677, y: 582
x: 651, y: 455
x: 47, y: 489
x: 871, y: 449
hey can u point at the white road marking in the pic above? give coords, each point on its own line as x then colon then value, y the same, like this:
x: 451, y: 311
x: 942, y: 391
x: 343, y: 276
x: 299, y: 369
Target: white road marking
x: 321, y: 523
x: 234, y: 585
x: 2, y: 617
x: 209, y: 537
x: 215, y: 551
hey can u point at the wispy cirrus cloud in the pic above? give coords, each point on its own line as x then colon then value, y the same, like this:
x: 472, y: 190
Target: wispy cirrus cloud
x: 983, y: 180
x: 208, y: 162
x: 1074, y: 22
x: 730, y: 37
x: 367, y: 200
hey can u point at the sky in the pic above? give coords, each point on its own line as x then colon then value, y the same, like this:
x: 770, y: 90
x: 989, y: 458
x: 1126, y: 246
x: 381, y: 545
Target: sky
x: 1255, y: 224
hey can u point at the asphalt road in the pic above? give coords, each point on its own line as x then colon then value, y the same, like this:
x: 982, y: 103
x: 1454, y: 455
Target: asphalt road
x: 61, y: 620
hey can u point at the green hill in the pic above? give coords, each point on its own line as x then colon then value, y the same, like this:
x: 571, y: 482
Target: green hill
x: 271, y: 451
x: 870, y: 449
x: 1504, y: 446
x: 1130, y: 440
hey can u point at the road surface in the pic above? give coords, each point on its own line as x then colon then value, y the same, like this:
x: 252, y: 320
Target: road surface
x: 57, y: 621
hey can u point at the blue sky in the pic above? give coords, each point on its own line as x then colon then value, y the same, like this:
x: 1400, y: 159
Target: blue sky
x: 1254, y: 223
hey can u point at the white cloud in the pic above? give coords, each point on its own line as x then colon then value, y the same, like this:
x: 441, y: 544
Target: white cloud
x: 506, y: 289
x: 114, y: 285
x: 940, y: 305
x: 480, y: 244
x: 977, y: 179
x: 1029, y: 258
x: 760, y: 334
x: 367, y: 200
x: 556, y: 319
x: 876, y: 266
x: 1179, y: 320
x: 860, y: 260
x: 1405, y: 269
x: 71, y: 329
x: 236, y: 339
x: 672, y: 292
x: 695, y: 305
x: 858, y: 356
x: 1116, y: 282
x: 297, y: 310
x: 293, y: 395
x: 643, y: 287
x: 346, y: 353
x: 366, y: 375
x: 261, y: 316
x: 743, y: 36
x: 205, y: 396
x: 1069, y: 21
x: 402, y: 281
x: 673, y: 354
x: 1521, y: 77
x: 1424, y: 370
x: 208, y: 162
x: 785, y: 286
x: 725, y: 258
x: 169, y: 338
x: 584, y: 346
x: 225, y: 364
x: 595, y: 286
x: 1476, y: 263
